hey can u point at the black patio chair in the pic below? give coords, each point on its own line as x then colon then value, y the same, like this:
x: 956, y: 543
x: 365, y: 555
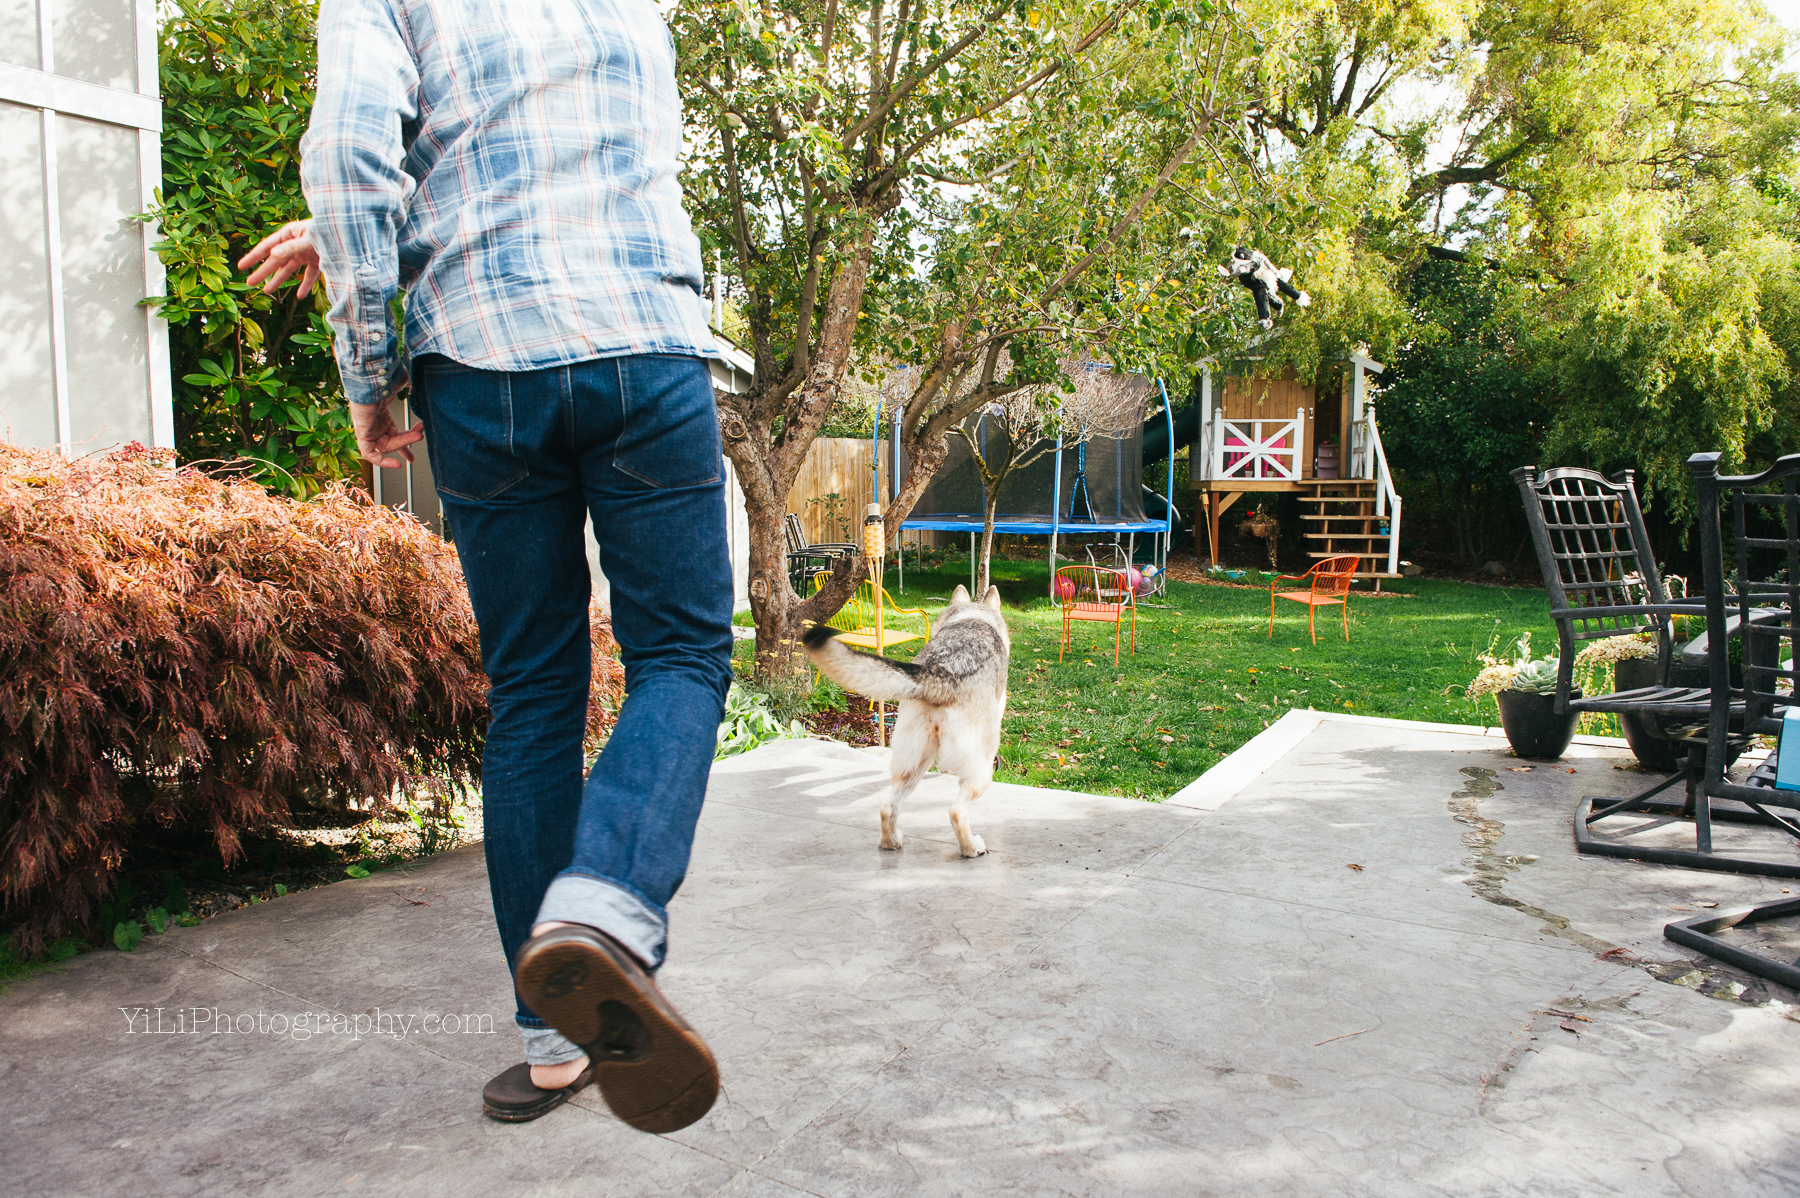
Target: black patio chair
x: 807, y: 560
x: 1601, y: 575
x: 1761, y: 596
x: 1750, y: 695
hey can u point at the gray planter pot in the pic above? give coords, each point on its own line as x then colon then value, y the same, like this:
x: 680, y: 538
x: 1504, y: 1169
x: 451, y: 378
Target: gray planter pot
x: 1533, y: 728
x: 1644, y: 732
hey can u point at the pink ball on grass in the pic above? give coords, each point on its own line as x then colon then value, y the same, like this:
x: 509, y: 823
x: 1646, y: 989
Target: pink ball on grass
x: 1062, y: 587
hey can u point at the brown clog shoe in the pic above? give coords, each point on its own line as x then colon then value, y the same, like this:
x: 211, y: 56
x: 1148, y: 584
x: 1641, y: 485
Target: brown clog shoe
x: 652, y: 1067
x: 511, y: 1098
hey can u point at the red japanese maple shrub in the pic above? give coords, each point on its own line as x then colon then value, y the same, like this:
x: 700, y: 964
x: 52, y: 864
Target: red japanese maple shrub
x: 179, y: 647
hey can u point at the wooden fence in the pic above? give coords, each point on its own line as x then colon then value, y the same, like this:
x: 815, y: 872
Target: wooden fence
x: 835, y: 484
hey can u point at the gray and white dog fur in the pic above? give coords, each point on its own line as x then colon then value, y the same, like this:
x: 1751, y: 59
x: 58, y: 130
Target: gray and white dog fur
x: 952, y: 697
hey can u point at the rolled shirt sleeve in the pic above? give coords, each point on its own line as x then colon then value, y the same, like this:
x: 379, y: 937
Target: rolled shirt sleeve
x: 352, y: 171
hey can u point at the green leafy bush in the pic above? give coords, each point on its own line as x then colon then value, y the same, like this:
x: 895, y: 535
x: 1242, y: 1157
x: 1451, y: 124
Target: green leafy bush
x: 749, y: 722
x: 180, y: 649
x: 254, y: 375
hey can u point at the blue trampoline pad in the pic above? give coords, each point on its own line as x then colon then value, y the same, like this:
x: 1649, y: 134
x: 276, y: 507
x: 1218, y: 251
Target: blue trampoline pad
x: 1028, y: 525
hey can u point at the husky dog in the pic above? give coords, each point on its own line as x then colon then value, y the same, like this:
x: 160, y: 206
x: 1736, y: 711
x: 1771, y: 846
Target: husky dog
x: 951, y: 698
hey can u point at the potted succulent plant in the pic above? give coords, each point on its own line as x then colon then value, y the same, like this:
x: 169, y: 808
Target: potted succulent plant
x: 1525, y: 689
x: 1528, y: 711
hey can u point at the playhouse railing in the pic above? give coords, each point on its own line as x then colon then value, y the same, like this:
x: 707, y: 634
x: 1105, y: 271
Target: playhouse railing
x: 1387, y: 500
x: 1255, y: 449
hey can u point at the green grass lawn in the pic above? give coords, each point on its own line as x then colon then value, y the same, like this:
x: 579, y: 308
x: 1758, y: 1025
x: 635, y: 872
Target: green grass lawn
x: 1207, y: 676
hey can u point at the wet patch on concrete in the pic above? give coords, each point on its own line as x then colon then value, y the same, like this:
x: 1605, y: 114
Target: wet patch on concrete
x: 1489, y: 868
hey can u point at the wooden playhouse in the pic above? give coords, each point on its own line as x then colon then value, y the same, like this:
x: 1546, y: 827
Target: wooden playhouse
x: 1282, y: 434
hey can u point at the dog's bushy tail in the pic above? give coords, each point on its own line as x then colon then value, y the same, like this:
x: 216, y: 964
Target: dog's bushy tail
x: 864, y: 673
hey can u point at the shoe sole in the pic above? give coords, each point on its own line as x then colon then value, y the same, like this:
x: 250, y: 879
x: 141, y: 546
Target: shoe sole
x: 675, y: 1080
x: 525, y: 1114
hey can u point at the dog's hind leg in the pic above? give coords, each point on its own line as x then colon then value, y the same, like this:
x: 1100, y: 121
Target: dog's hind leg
x: 908, y: 758
x: 969, y: 789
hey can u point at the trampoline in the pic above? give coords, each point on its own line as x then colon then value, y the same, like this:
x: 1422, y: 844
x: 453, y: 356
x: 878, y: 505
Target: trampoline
x: 1092, y: 489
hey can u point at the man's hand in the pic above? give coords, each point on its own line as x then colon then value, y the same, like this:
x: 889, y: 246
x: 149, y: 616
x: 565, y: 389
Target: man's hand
x: 378, y: 436
x: 282, y: 253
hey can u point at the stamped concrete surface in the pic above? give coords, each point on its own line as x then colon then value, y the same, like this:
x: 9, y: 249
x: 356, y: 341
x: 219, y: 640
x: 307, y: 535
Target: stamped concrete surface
x: 1378, y: 967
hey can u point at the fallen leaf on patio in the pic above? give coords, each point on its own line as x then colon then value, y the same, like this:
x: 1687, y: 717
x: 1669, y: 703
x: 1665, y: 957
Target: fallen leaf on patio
x: 1568, y: 771
x: 1569, y: 1027
x: 1706, y: 904
x: 1521, y: 769
x: 1353, y: 865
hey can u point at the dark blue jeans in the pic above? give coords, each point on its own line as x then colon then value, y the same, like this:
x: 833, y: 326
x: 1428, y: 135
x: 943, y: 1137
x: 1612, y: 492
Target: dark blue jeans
x: 520, y: 459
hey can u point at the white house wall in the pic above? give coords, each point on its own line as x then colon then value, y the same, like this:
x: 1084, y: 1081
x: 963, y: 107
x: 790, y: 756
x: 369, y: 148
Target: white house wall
x: 83, y: 366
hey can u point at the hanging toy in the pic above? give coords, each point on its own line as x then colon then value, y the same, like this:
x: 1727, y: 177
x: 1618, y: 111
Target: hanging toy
x: 1253, y: 269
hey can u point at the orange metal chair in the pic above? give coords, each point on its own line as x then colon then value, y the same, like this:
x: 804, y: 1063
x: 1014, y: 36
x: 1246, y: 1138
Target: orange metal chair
x: 1330, y: 583
x: 1094, y: 593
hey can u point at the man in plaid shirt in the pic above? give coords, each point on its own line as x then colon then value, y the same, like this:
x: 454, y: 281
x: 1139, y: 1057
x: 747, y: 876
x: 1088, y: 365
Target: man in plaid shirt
x: 515, y: 176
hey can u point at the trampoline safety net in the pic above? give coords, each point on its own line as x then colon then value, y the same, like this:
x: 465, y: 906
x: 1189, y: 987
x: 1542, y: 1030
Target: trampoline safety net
x: 1101, y: 483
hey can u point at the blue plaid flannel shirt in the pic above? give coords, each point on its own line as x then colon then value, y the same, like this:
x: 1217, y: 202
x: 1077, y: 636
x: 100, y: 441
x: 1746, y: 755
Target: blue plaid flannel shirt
x: 513, y: 168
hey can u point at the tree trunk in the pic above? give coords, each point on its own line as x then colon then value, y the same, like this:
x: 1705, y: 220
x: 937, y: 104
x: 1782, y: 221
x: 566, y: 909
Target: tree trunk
x: 991, y: 506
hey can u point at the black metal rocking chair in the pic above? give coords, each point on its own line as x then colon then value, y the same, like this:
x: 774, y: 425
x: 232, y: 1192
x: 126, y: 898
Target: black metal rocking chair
x: 1595, y: 553
x: 805, y: 560
x: 1749, y: 697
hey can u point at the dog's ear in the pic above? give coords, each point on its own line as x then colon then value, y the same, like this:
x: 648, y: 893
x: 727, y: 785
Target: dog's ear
x: 992, y: 598
x: 960, y: 594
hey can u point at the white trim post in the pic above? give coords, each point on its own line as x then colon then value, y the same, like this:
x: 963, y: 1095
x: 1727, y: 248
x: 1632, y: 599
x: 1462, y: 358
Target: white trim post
x: 156, y: 355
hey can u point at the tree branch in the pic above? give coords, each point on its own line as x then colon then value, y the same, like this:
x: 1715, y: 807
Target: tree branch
x: 1132, y: 214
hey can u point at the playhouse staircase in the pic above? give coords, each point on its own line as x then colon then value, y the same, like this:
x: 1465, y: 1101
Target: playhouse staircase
x: 1338, y: 516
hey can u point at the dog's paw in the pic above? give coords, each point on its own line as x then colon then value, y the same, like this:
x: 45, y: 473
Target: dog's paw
x: 1305, y: 300
x: 1267, y: 324
x: 896, y: 841
x: 977, y: 846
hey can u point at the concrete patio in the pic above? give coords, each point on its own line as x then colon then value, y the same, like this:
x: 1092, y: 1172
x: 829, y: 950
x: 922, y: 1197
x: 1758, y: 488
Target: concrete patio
x: 1359, y: 958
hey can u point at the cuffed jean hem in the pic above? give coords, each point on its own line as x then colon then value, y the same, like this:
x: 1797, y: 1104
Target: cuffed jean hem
x: 598, y: 903
x: 547, y: 1046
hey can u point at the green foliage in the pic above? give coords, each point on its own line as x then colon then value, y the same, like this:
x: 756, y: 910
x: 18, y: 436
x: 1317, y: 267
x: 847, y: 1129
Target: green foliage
x: 126, y: 936
x: 1677, y: 353
x: 357, y: 871
x: 749, y: 722
x: 1461, y: 408
x: 254, y: 375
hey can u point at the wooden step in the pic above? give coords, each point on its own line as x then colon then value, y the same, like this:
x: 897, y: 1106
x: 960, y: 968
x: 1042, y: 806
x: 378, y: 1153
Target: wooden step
x: 1352, y: 516
x: 1344, y: 536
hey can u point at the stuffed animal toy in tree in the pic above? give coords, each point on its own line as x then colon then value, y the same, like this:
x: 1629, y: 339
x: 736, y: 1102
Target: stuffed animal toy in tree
x: 1253, y: 269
